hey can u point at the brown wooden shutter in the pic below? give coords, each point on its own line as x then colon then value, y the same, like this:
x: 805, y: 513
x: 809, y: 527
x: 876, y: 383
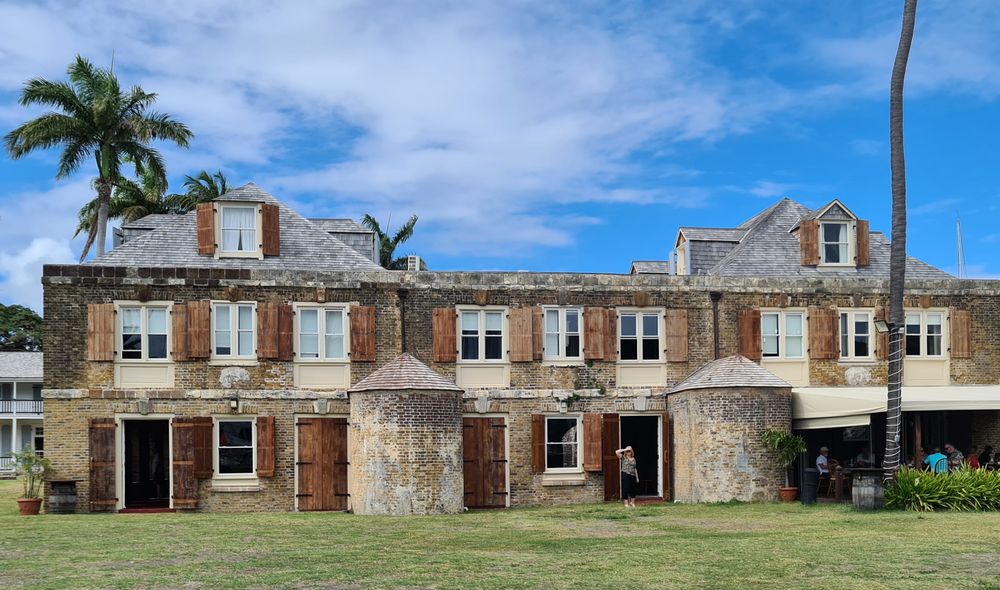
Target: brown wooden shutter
x: 362, y: 333
x: 809, y: 242
x: 961, y: 334
x: 445, y: 321
x: 286, y: 332
x: 322, y: 464
x: 537, y: 443
x: 881, y: 340
x: 611, y: 334
x: 537, y: 333
x: 748, y: 334
x: 102, y: 465
x: 665, y: 449
x: 265, y: 446
x: 677, y: 335
x: 101, y: 332
x: 206, y: 228
x: 595, y: 325
x: 823, y: 333
x: 267, y: 330
x: 612, y: 466
x: 593, y: 425
x: 271, y: 226
x: 863, y: 241
x: 522, y: 348
x: 199, y: 315
x: 496, y: 472
x: 203, y: 433
x: 179, y: 337
x: 185, y: 494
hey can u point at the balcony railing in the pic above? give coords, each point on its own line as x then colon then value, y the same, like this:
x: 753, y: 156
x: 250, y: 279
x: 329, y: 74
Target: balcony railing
x: 6, y: 463
x: 29, y: 407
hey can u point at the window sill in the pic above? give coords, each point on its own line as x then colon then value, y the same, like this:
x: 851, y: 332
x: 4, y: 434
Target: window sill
x: 643, y: 363
x: 241, y: 484
x: 251, y: 255
x: 925, y: 358
x: 562, y: 363
x: 322, y: 363
x: 564, y: 479
x: 861, y: 361
x: 482, y: 363
x: 773, y: 359
x: 233, y: 363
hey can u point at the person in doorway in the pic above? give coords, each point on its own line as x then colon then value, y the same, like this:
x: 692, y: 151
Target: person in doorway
x: 955, y: 457
x: 936, y: 461
x: 630, y: 475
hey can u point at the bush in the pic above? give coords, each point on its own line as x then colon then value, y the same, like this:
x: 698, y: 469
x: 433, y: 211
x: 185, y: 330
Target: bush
x: 963, y: 490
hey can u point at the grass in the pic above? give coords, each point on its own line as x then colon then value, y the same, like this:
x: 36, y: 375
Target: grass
x: 589, y: 546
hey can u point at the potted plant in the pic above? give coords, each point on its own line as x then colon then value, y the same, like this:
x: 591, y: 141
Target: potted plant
x: 788, y: 446
x: 33, y: 470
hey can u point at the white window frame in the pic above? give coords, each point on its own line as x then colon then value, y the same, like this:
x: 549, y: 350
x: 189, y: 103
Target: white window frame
x: 579, y: 443
x: 220, y: 252
x: 849, y: 258
x: 143, y: 308
x: 924, y: 313
x: 782, y: 334
x: 640, y: 334
x: 849, y: 353
x: 560, y: 354
x: 321, y: 309
x: 482, y: 311
x: 234, y: 331
x: 253, y: 445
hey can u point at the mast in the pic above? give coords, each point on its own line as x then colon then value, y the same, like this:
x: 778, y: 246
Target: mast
x: 961, y: 252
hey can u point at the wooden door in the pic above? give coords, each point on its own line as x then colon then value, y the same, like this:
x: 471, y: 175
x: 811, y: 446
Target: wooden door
x: 322, y: 464
x: 484, y: 453
x: 612, y: 467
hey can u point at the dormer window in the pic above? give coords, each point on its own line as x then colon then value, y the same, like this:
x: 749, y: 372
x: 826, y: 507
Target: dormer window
x: 239, y: 229
x: 835, y: 243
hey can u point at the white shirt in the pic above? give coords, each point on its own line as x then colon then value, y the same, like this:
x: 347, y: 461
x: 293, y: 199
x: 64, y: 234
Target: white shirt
x: 822, y: 465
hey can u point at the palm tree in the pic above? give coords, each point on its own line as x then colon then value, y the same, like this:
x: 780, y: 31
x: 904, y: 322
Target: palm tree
x: 95, y: 117
x: 897, y: 255
x: 387, y: 245
x: 202, y: 188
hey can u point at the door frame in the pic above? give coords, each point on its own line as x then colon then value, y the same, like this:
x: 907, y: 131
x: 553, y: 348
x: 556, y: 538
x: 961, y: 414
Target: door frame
x: 295, y: 455
x: 659, y: 442
x: 120, y: 454
x: 506, y: 446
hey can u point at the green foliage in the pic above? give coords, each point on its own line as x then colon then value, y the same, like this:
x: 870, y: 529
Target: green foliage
x: 963, y: 490
x: 788, y: 445
x: 20, y: 328
x: 388, y: 245
x: 33, y: 470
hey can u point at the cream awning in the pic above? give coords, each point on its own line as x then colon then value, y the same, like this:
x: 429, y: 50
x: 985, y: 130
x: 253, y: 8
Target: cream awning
x: 835, y: 407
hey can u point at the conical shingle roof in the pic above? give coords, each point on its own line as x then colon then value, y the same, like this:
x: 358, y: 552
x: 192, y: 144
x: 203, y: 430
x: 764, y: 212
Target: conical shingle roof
x: 732, y: 371
x: 404, y: 372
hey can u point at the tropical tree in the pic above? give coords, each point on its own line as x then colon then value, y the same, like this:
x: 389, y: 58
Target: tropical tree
x: 897, y: 255
x: 202, y: 188
x: 387, y: 245
x: 94, y: 117
x: 20, y: 328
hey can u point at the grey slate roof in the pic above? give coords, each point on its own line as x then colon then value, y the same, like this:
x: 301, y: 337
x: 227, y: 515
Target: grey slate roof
x: 731, y: 371
x: 21, y: 366
x: 404, y: 372
x: 304, y: 245
x: 340, y: 226
x: 151, y: 221
x: 720, y: 234
x: 643, y: 267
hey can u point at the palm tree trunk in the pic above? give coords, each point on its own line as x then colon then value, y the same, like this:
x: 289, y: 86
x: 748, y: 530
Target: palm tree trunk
x: 103, y: 200
x: 897, y: 260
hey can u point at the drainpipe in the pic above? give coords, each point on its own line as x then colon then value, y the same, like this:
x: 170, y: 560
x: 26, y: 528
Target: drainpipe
x: 715, y: 296
x: 402, y: 293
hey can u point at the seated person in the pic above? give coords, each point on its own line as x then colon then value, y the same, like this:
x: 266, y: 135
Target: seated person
x: 936, y: 461
x: 864, y: 458
x: 823, y: 462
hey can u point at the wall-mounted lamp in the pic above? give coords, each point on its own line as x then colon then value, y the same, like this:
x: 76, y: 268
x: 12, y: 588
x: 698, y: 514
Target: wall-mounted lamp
x: 234, y: 404
x: 883, y: 327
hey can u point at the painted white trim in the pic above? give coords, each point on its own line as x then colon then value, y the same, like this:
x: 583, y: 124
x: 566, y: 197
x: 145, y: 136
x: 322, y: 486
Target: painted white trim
x: 234, y: 358
x: 783, y: 333
x: 223, y: 478
x: 259, y: 237
x: 345, y: 308
x: 851, y: 357
x: 143, y: 331
x: 120, y: 455
x: 579, y: 443
x: 659, y: 442
x: 504, y: 330
x: 559, y: 357
x: 660, y: 328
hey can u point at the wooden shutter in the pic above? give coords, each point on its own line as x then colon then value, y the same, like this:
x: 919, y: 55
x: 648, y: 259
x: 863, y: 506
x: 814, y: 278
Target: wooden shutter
x: 206, y: 228
x: 522, y: 349
x: 537, y: 333
x: 881, y: 340
x: 665, y: 448
x: 362, y: 333
x: 677, y: 335
x: 101, y: 332
x: 496, y: 471
x: 267, y: 330
x: 179, y: 338
x: 610, y: 334
x: 322, y: 464
x: 961, y: 334
x: 265, y: 446
x: 103, y: 496
x: 185, y: 480
x: 484, y: 454
x: 595, y: 325
x: 612, y: 466
x: 472, y: 462
x: 537, y: 443
x: 445, y: 321
x: 286, y: 334
x: 823, y: 333
x: 748, y: 333
x: 863, y: 241
x: 199, y: 330
x: 203, y: 433
x: 593, y: 425
x: 809, y: 242
x: 270, y: 224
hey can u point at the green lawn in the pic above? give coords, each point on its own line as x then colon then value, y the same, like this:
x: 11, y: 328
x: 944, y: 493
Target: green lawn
x: 592, y: 546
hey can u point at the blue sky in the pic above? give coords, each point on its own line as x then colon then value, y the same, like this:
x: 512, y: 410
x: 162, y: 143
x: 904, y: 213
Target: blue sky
x: 533, y: 136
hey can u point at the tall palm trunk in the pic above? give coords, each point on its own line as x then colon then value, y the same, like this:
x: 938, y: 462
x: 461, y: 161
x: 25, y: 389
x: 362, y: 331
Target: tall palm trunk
x: 103, y: 201
x: 897, y: 260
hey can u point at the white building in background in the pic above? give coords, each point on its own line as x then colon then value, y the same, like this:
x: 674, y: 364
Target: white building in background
x: 20, y: 404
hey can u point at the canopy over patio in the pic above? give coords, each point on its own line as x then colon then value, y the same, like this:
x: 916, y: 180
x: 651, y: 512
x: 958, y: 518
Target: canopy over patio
x: 842, y: 407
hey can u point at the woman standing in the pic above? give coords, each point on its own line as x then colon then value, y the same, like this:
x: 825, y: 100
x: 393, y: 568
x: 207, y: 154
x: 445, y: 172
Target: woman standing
x: 630, y: 476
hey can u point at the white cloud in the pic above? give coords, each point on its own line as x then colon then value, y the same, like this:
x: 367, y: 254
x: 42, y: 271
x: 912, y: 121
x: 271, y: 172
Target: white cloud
x: 22, y: 270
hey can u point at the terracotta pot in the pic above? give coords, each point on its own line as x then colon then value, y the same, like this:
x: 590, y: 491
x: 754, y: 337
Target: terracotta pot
x: 29, y: 506
x: 788, y: 494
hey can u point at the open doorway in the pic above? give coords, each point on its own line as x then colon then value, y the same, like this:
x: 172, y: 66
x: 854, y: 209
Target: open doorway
x: 147, y: 463
x: 643, y: 434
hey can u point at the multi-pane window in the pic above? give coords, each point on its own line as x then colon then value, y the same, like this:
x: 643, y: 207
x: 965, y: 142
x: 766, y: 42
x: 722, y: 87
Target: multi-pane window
x: 834, y: 243
x: 482, y: 335
x: 321, y: 333
x: 235, y: 447
x: 562, y: 443
x: 781, y: 334
x: 924, y: 333
x: 143, y: 333
x: 233, y: 332
x: 239, y: 228
x: 855, y: 334
x: 639, y: 336
x: 562, y: 334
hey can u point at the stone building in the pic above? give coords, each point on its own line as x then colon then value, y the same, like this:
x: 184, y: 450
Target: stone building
x: 218, y: 362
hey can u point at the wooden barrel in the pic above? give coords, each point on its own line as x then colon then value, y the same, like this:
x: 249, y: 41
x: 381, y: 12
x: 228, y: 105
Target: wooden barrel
x: 868, y: 493
x: 62, y: 497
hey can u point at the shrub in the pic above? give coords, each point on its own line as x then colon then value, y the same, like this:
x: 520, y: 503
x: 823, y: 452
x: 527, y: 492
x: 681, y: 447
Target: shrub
x: 962, y: 490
